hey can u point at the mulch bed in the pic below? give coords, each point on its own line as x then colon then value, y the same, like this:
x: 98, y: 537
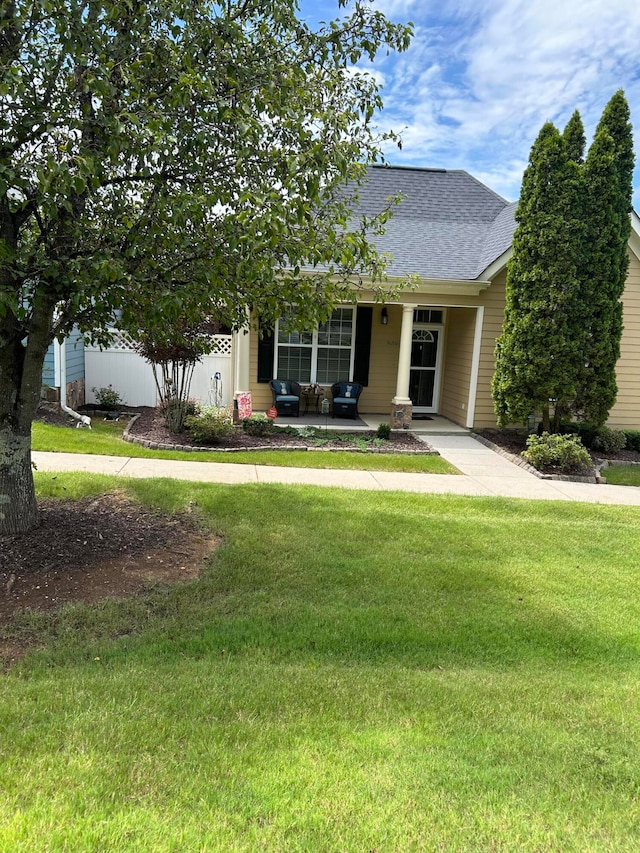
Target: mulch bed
x: 515, y: 441
x: 90, y: 550
x: 151, y: 427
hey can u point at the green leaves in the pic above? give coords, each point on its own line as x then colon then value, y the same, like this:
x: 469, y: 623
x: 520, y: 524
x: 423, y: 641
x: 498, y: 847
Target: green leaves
x: 563, y: 319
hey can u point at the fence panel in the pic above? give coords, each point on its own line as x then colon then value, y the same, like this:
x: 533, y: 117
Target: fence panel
x: 132, y: 377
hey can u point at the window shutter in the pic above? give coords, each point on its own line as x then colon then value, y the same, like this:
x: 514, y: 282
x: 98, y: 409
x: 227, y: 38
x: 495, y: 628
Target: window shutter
x: 364, y: 319
x: 266, y: 345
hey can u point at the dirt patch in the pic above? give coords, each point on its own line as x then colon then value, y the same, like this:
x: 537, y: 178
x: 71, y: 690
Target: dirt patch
x: 94, y: 549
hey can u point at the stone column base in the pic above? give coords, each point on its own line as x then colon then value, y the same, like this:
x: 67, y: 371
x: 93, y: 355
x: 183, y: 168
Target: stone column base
x: 401, y: 414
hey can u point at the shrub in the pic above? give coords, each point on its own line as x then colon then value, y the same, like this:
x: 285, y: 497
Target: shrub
x: 210, y: 425
x: 609, y: 440
x: 258, y: 425
x: 633, y: 439
x: 564, y: 453
x: 176, y: 411
x: 108, y: 397
x: 586, y: 432
x: 384, y: 431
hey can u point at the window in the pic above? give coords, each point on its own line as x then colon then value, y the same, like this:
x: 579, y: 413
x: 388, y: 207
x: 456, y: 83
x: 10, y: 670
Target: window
x: 427, y: 315
x: 323, y: 356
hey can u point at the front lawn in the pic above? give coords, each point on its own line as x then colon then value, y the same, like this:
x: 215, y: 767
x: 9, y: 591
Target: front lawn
x: 623, y: 475
x: 105, y: 438
x: 386, y: 672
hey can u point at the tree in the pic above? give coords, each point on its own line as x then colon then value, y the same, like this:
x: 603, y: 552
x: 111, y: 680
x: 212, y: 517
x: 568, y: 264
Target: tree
x: 608, y: 176
x: 538, y: 352
x: 574, y: 138
x: 563, y: 319
x: 183, y: 158
x: 175, y: 354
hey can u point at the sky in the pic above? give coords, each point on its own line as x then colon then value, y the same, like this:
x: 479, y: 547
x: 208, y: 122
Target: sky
x: 481, y: 77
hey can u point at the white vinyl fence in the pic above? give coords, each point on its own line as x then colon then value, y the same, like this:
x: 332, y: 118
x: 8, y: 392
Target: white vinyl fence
x: 132, y: 377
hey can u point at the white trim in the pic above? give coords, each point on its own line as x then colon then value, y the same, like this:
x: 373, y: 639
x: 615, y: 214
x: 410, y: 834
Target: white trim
x: 498, y: 265
x: 475, y: 367
x: 442, y: 287
x: 57, y: 360
x: 437, y: 369
x: 634, y: 239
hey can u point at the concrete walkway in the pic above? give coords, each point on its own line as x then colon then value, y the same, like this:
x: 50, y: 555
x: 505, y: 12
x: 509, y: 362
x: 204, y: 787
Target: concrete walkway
x: 484, y: 473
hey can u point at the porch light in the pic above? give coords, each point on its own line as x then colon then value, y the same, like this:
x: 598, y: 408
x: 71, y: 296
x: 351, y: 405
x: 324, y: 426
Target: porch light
x: 384, y: 315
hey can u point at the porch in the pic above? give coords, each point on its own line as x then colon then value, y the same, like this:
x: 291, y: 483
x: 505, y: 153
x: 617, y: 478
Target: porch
x: 433, y: 425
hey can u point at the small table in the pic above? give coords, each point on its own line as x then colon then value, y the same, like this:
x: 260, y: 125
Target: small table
x: 311, y: 394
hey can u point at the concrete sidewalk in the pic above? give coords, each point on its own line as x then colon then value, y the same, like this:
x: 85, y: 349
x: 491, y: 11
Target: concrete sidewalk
x: 484, y: 473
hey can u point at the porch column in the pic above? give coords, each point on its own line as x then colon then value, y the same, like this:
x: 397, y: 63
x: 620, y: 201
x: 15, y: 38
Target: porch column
x: 241, y: 356
x: 401, y: 406
x: 241, y: 365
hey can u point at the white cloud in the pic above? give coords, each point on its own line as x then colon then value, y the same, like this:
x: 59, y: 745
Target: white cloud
x: 480, y: 78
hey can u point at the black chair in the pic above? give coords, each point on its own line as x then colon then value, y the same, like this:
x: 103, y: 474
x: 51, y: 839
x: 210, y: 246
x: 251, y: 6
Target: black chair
x: 286, y: 396
x: 345, y: 399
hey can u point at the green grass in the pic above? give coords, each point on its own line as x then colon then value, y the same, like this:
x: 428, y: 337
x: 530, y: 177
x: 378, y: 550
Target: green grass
x: 105, y: 438
x: 384, y: 672
x: 623, y: 475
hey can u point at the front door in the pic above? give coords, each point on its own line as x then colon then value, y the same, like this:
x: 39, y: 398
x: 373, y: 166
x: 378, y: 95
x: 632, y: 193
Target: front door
x: 424, y: 374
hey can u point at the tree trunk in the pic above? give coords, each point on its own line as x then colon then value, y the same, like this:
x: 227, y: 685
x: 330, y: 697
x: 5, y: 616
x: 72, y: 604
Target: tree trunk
x: 546, y: 418
x: 22, y: 352
x: 18, y: 508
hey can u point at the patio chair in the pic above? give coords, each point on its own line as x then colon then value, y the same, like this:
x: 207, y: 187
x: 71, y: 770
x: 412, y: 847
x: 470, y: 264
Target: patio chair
x: 286, y: 396
x: 345, y: 399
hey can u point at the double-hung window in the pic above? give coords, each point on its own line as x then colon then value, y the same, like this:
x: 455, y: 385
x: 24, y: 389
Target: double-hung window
x: 324, y: 356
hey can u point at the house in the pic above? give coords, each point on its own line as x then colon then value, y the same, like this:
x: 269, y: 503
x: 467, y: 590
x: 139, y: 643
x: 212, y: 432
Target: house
x: 428, y: 351
x: 431, y: 350
x: 64, y: 365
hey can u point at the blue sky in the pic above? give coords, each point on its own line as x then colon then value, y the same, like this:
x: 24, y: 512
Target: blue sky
x: 482, y: 76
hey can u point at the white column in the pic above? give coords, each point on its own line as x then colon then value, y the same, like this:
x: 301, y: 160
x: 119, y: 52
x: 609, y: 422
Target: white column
x: 241, y: 359
x: 475, y: 367
x: 404, y: 358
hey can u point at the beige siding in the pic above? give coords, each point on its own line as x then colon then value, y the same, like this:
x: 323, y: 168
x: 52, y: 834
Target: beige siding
x: 493, y: 300
x: 626, y: 412
x: 383, y: 366
x: 458, y: 354
x: 260, y: 391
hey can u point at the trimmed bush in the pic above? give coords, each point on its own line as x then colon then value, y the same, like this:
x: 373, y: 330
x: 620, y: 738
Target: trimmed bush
x: 558, y: 453
x: 609, y: 440
x: 210, y: 424
x: 586, y: 432
x: 384, y: 431
x: 633, y: 439
x: 258, y: 425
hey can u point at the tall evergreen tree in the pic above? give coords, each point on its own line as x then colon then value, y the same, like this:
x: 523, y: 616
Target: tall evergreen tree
x: 538, y: 351
x: 563, y: 319
x: 574, y: 138
x: 608, y: 174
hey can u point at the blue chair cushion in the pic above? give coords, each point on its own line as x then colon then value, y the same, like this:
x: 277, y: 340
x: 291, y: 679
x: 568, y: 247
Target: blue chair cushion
x: 286, y: 398
x: 345, y: 401
x: 347, y: 389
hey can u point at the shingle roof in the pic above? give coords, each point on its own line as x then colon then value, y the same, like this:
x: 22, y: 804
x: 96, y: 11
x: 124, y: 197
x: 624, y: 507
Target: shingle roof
x: 447, y: 226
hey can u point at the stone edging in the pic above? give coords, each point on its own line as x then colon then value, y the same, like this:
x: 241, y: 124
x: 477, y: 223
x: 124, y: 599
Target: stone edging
x: 189, y: 448
x: 521, y: 463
